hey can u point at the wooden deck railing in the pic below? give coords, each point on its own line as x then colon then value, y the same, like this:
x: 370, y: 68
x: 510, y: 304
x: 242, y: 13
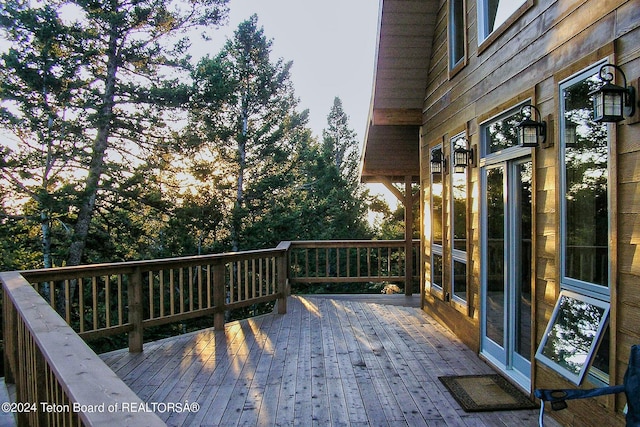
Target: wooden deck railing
x: 50, y: 364
x: 109, y: 299
x: 59, y: 379
x: 352, y: 261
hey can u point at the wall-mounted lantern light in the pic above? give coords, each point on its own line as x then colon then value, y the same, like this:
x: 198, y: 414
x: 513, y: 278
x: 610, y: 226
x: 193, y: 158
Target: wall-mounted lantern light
x: 463, y: 158
x: 437, y: 162
x: 530, y: 132
x: 611, y: 103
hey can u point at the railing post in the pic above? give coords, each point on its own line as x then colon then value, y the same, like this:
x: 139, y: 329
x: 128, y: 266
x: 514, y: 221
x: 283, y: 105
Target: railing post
x: 408, y: 236
x: 134, y: 292
x: 10, y: 336
x: 40, y: 366
x: 219, y: 291
x: 283, y: 282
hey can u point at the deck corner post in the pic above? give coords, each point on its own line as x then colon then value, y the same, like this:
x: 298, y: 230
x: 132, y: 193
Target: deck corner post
x: 409, y: 201
x: 283, y: 283
x: 136, y: 335
x: 219, y: 295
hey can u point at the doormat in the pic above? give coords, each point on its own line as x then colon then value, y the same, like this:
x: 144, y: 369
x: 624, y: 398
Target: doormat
x: 476, y: 393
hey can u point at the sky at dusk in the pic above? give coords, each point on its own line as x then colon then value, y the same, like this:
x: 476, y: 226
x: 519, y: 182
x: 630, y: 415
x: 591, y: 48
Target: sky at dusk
x: 331, y: 43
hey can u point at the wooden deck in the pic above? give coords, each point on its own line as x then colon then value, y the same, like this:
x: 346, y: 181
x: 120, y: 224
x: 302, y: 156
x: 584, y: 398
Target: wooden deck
x: 326, y: 362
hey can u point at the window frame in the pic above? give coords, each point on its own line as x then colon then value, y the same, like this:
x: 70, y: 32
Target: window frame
x: 570, y: 283
x: 508, y: 153
x: 437, y: 250
x: 575, y: 377
x: 452, y: 32
x: 566, y: 78
x: 485, y: 37
x: 458, y: 255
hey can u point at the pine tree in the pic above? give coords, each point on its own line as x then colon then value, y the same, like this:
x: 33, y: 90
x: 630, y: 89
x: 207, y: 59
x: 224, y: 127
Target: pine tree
x: 340, y: 142
x: 248, y: 133
x: 344, y: 198
x: 83, y: 90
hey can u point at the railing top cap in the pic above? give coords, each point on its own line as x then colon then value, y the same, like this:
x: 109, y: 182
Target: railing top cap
x: 127, y: 267
x: 130, y: 266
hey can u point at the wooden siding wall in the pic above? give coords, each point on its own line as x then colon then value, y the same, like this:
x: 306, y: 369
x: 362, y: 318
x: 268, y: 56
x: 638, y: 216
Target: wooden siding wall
x: 550, y: 41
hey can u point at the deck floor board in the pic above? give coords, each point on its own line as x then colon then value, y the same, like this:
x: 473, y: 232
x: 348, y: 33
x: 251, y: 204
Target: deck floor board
x: 329, y: 361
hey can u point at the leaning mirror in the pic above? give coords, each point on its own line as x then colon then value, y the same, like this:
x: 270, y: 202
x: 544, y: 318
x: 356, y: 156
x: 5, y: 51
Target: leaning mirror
x: 572, y: 335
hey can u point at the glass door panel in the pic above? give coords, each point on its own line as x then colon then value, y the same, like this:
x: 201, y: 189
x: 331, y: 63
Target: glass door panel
x: 523, y: 233
x: 495, y: 280
x: 506, y: 314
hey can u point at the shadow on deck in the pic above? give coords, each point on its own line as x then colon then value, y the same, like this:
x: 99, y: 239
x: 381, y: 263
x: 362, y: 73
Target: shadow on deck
x: 328, y: 361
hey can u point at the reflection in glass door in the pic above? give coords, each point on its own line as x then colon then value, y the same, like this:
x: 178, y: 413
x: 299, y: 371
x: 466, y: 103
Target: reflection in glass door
x: 495, y: 257
x: 507, y: 260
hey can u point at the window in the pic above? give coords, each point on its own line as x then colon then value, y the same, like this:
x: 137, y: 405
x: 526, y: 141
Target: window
x: 585, y: 224
x: 437, y: 212
x: 576, y: 325
x: 585, y: 211
x: 502, y: 132
x: 493, y: 13
x: 458, y: 224
x: 457, y: 29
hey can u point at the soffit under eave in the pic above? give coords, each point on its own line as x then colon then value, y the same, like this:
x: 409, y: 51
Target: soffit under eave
x: 405, y: 39
x: 392, y: 153
x: 405, y: 35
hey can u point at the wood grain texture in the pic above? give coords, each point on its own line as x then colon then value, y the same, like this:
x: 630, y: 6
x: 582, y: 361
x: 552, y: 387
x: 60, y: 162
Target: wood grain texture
x: 326, y: 362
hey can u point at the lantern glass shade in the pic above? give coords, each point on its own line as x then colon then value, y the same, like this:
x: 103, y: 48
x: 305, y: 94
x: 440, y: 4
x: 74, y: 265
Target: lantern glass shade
x: 608, y: 104
x: 611, y: 103
x: 460, y: 159
x: 529, y: 132
x: 436, y: 163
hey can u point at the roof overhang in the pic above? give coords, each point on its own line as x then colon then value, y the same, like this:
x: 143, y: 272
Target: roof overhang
x: 405, y: 35
x: 391, y: 153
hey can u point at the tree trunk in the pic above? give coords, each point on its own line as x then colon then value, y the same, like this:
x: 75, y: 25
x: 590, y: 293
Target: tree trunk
x: 88, y: 201
x: 236, y: 220
x: 45, y: 227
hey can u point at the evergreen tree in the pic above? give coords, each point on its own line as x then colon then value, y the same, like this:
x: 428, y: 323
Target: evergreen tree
x: 341, y: 196
x: 249, y: 134
x: 340, y: 143
x: 83, y: 83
